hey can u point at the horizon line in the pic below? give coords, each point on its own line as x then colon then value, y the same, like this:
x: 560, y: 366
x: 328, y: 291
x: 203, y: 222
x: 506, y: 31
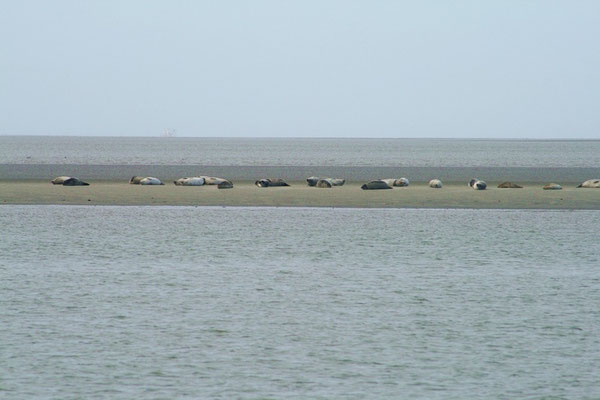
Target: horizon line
x: 306, y: 137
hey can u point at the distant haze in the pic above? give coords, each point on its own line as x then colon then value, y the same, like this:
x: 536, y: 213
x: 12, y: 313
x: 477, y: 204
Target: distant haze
x: 471, y: 69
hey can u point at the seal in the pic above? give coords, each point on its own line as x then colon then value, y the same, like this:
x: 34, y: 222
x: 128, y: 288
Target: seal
x: 191, y: 181
x: 225, y: 185
x: 212, y: 180
x: 68, y: 181
x: 313, y: 180
x: 552, y: 186
x: 435, y: 183
x: 270, y: 182
x: 75, y: 182
x: 477, y: 184
x: 324, y: 183
x: 509, y: 185
x: 59, y: 180
x: 376, y: 185
x: 330, y: 182
x: 180, y: 181
x: 401, y: 182
x: 149, y: 180
x: 336, y: 181
x: 396, y: 182
x: 592, y: 183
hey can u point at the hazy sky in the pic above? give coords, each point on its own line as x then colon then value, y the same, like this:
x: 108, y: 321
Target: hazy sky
x: 301, y: 68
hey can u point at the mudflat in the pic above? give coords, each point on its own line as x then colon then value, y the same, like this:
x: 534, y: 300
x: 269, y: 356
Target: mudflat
x: 245, y: 193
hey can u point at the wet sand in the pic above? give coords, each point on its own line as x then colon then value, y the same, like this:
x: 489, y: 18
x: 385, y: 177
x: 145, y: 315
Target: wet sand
x: 245, y: 193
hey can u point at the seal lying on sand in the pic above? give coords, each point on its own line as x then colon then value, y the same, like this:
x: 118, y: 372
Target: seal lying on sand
x: 401, y: 182
x: 592, y: 183
x: 191, y: 181
x: 375, y: 185
x: 149, y: 180
x: 553, y: 186
x: 509, y: 185
x: 477, y: 184
x: 225, y: 185
x: 68, y: 181
x: 212, y: 180
x: 336, y: 181
x: 396, y: 182
x: 75, y: 182
x: 59, y: 180
x: 270, y: 182
x: 329, y: 182
x: 324, y: 183
x: 313, y: 180
x: 435, y: 183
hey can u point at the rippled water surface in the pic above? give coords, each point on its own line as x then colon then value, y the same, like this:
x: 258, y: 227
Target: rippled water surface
x: 175, y: 302
x: 296, y: 152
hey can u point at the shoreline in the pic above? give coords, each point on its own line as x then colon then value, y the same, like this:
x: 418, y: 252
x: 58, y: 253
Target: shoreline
x: 246, y: 194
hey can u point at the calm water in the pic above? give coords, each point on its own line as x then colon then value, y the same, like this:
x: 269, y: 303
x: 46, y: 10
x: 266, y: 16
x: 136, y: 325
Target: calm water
x: 175, y: 302
x: 298, y: 152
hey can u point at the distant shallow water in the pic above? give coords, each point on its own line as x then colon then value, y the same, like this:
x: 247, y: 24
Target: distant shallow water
x: 299, y: 152
x: 172, y: 302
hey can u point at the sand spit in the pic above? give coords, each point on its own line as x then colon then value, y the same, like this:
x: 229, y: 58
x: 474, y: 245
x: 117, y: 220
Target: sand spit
x: 245, y: 193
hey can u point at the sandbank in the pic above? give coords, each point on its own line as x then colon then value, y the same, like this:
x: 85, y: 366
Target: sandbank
x: 245, y: 193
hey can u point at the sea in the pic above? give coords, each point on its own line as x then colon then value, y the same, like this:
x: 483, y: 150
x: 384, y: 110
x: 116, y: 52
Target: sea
x: 271, y: 303
x: 130, y: 302
x: 299, y: 152
x: 248, y: 159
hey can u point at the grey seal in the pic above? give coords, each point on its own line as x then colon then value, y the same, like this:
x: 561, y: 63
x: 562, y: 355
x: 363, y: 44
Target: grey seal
x: 324, y: 183
x: 225, y: 185
x: 376, y: 185
x: 435, y: 183
x: 68, y: 181
x: 191, y: 181
x: 150, y: 180
x: 509, y: 185
x: 552, y: 186
x: 212, y: 180
x: 313, y: 180
x: 59, y: 180
x: 270, y: 182
x: 401, y: 182
x: 396, y: 182
x: 336, y: 181
x: 592, y: 183
x: 477, y: 184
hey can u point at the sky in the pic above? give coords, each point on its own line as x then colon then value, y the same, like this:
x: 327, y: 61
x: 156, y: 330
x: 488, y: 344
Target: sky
x: 327, y: 68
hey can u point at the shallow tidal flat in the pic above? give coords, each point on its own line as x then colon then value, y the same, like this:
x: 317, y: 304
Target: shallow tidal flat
x: 245, y: 193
